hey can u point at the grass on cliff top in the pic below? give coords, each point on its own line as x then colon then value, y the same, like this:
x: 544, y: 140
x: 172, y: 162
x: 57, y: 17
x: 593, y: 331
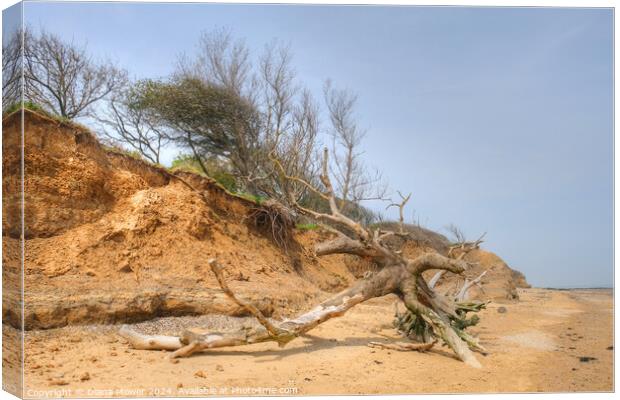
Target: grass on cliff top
x: 307, y: 227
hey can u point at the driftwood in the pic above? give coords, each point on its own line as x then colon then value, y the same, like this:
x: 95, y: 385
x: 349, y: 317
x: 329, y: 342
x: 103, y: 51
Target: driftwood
x: 436, y: 278
x: 462, y: 294
x: 421, y: 347
x: 439, y: 317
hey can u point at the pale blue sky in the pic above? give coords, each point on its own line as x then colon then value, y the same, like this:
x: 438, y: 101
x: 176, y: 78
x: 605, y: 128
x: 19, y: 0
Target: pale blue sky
x: 497, y: 119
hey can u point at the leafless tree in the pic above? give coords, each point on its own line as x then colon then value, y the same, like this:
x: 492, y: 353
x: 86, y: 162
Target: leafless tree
x: 457, y: 233
x: 354, y: 181
x: 12, y: 69
x: 61, y: 76
x: 124, y: 122
x: 295, y: 152
x: 401, y: 211
x: 291, y: 122
x: 277, y: 86
x: 221, y: 60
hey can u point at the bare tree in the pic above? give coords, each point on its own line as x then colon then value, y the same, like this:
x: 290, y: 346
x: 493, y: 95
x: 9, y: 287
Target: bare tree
x: 221, y: 60
x: 278, y: 89
x: 291, y: 123
x: 63, y: 78
x: 436, y: 316
x: 124, y: 122
x: 295, y: 152
x: 401, y: 211
x: 457, y: 233
x: 12, y: 69
x: 354, y: 182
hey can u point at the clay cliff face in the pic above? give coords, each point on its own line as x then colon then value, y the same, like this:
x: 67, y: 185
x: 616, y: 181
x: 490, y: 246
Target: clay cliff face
x: 113, y: 239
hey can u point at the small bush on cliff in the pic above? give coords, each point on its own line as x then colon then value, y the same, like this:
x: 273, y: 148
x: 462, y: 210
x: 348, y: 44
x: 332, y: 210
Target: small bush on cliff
x: 217, y: 170
x: 28, y: 105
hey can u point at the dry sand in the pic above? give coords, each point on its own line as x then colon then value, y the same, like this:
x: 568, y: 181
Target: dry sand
x: 534, y: 346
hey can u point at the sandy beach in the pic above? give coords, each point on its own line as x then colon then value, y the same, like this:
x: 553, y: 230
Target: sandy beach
x: 549, y: 341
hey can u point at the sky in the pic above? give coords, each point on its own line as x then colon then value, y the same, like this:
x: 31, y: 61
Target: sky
x: 498, y: 120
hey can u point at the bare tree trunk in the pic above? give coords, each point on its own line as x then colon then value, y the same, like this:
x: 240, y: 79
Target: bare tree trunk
x: 283, y: 332
x: 399, y: 279
x: 439, y: 317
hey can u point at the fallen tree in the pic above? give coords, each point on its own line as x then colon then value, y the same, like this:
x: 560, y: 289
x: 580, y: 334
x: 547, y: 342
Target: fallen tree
x: 429, y: 316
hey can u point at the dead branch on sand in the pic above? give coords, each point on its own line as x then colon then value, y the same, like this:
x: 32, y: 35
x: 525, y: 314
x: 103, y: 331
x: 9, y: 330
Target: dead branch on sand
x: 429, y: 316
x: 421, y: 347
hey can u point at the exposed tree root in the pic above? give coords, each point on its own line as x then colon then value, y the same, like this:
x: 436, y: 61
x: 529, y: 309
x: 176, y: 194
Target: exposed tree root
x: 429, y: 316
x: 275, y: 221
x: 392, y: 279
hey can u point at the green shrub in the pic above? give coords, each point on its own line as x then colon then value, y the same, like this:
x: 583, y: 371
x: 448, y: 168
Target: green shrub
x: 116, y: 148
x: 307, y: 227
x: 186, y: 162
x: 28, y: 105
x: 252, y: 197
x: 217, y: 170
x: 226, y: 179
